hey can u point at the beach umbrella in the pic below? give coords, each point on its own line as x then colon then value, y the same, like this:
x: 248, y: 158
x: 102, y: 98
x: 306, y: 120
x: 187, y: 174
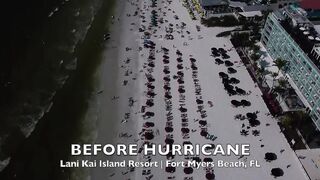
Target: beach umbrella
x: 193, y: 60
x: 218, y: 61
x: 188, y: 170
x: 197, y: 159
x: 228, y: 86
x: 231, y: 70
x: 222, y: 50
x: 182, y: 109
x: 194, y: 67
x: 185, y: 130
x: 207, y: 160
x: 179, y: 59
x: 165, y: 49
x: 255, y: 132
x: 228, y: 63
x: 148, y: 113
x: 225, y: 81
x: 180, y: 81
x: 203, y: 133
x: 234, y: 80
x: 165, y: 61
x: 166, y: 78
x: 235, y: 103
x: 223, y: 75
x: 151, y: 64
x: 254, y: 122
x: 180, y: 73
x: 199, y: 101
x: 277, y: 172
x: 240, y: 91
x: 203, y: 122
x: 151, y: 93
x: 186, y: 142
x: 168, y: 96
x: 179, y: 66
x: 244, y: 132
x: 184, y: 119
x: 166, y: 71
x: 165, y: 56
x: 149, y: 102
x: 149, y: 124
x: 150, y: 86
x: 251, y: 115
x: 168, y: 129
x: 170, y: 169
x: 148, y: 135
x: 210, y: 176
x: 245, y: 103
x: 150, y: 79
x: 231, y: 92
x: 169, y: 141
x: 181, y: 90
x: 214, y: 49
x: 170, y: 155
x: 151, y: 58
x: 225, y: 56
x: 269, y: 156
x: 166, y: 87
x: 215, y: 54
x: 203, y: 115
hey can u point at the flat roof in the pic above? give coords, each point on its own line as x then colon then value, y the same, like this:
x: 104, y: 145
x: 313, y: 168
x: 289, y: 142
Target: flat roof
x: 251, y: 13
x: 212, y: 2
x: 310, y: 160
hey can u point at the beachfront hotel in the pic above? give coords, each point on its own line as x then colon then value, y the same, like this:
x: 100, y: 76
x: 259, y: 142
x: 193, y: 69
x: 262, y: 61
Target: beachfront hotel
x: 289, y: 35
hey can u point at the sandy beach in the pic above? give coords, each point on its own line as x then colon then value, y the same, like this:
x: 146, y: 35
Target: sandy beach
x: 165, y: 75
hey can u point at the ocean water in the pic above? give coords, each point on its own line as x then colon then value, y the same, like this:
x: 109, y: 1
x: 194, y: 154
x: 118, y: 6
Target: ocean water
x: 53, y: 49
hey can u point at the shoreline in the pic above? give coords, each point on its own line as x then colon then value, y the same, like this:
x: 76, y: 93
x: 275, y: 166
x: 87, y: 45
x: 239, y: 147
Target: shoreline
x: 114, y: 99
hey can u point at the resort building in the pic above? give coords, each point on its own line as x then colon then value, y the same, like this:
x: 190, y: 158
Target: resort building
x: 207, y: 4
x: 259, y: 6
x: 249, y: 16
x: 289, y: 35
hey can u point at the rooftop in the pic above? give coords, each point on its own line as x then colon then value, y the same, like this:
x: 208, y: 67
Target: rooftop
x: 212, y: 2
x: 294, y: 21
x: 251, y: 13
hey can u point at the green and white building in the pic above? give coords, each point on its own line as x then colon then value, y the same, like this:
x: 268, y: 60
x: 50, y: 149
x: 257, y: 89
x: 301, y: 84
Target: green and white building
x: 289, y: 35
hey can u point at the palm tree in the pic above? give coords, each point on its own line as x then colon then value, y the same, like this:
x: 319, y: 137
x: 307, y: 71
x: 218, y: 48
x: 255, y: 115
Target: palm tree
x: 287, y: 121
x: 280, y: 63
x: 301, y: 117
x: 280, y: 89
x: 255, y: 57
x: 262, y: 72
